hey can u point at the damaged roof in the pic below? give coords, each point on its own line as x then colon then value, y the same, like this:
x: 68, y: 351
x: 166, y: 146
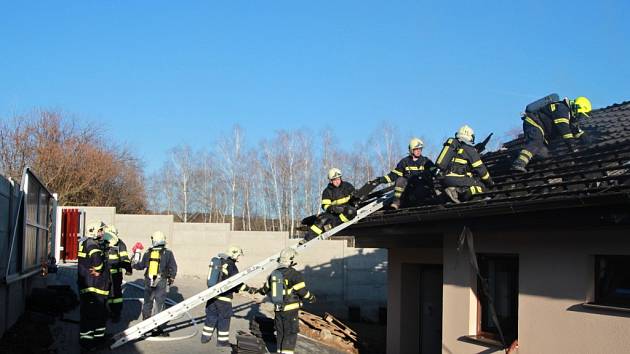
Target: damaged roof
x: 597, y: 175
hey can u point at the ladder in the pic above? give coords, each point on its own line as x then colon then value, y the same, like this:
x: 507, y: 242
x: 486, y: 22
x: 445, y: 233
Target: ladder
x: 269, y: 264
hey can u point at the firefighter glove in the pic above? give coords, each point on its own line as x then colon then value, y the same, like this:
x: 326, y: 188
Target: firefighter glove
x: 252, y: 290
x: 311, y: 299
x: 489, y: 183
x: 170, y: 281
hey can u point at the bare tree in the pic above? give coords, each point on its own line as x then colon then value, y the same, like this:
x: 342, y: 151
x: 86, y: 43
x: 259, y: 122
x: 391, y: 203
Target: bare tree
x: 230, y: 150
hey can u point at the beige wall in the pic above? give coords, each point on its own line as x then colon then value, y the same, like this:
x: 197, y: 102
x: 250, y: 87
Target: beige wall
x: 555, y: 278
x: 339, y: 275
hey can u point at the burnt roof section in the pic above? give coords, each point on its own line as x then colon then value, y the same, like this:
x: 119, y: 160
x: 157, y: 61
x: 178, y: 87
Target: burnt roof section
x: 597, y: 175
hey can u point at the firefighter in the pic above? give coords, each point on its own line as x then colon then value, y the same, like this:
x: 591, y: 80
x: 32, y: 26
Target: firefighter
x: 464, y: 173
x: 161, y: 270
x: 118, y: 260
x: 94, y: 283
x: 219, y: 309
x: 413, y: 167
x: 550, y: 121
x: 336, y: 203
x: 287, y: 289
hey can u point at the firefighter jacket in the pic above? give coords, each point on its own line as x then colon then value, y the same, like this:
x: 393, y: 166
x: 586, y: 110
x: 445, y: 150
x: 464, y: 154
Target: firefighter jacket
x: 158, y: 261
x: 341, y: 195
x: 294, y: 289
x: 118, y: 258
x: 555, y: 120
x: 229, y: 269
x: 461, y: 160
x: 407, y: 167
x: 92, y: 256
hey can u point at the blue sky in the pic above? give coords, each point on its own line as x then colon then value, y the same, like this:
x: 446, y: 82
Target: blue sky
x: 160, y: 73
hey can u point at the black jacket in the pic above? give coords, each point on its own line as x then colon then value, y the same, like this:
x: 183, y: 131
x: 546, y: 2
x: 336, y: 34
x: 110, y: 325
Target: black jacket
x: 92, y: 256
x: 461, y: 160
x: 118, y: 258
x: 555, y: 120
x: 295, y: 288
x: 168, y: 265
x: 230, y: 270
x: 341, y: 195
x: 407, y: 167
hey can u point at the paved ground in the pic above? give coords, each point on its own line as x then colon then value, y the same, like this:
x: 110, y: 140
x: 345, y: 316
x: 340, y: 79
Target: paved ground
x: 245, y: 308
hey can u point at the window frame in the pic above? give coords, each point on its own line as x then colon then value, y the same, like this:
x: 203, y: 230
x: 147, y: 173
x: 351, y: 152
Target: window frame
x: 598, y: 297
x: 482, y: 259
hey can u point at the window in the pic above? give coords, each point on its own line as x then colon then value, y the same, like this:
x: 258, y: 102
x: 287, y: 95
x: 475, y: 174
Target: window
x: 500, y: 272
x: 612, y: 281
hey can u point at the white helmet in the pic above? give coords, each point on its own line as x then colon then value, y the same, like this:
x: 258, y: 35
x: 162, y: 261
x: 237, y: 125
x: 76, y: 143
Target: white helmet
x: 111, y: 229
x: 287, y: 257
x: 415, y: 143
x: 334, y: 173
x: 466, y: 135
x: 110, y: 237
x: 158, y: 238
x: 234, y: 251
x: 94, y: 228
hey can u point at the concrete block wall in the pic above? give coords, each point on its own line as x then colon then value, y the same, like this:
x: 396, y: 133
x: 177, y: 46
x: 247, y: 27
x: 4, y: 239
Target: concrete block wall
x: 340, y: 276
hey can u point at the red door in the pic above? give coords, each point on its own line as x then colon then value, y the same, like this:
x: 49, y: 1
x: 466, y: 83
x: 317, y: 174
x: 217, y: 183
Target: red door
x: 70, y: 219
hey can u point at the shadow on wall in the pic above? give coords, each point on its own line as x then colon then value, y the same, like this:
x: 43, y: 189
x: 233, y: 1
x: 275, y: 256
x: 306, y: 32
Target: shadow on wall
x: 353, y: 287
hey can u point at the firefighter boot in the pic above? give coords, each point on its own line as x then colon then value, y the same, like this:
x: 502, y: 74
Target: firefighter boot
x: 519, y: 166
x: 452, y: 194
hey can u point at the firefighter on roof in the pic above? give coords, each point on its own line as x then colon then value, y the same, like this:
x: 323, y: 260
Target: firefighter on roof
x: 337, y: 204
x: 161, y: 270
x: 464, y: 173
x: 549, y: 120
x: 413, y: 168
x: 219, y: 309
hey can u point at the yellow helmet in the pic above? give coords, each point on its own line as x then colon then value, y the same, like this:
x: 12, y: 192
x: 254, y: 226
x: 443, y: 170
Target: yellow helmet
x: 93, y: 228
x: 235, y: 251
x: 111, y: 229
x: 158, y: 238
x: 415, y: 143
x: 582, y: 105
x: 466, y: 134
x: 334, y: 173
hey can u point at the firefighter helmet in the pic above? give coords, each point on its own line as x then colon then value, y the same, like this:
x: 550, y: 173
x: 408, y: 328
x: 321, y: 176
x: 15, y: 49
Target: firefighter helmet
x: 93, y: 229
x: 415, y: 143
x: 582, y: 105
x: 466, y: 135
x: 334, y: 173
x: 158, y: 238
x: 110, y: 237
x: 111, y: 229
x: 287, y: 257
x: 235, y: 251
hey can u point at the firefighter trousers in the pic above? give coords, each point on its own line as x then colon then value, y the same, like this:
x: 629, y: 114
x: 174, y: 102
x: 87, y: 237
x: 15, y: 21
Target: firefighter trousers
x: 287, y: 328
x: 327, y: 221
x: 157, y: 294
x: 535, y: 144
x: 115, y: 299
x: 93, y: 320
x: 218, y: 316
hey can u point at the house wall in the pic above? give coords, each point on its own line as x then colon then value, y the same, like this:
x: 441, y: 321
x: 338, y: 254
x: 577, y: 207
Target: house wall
x: 555, y: 277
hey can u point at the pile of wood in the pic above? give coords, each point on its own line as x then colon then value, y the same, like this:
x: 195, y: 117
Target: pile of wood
x: 330, y: 331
